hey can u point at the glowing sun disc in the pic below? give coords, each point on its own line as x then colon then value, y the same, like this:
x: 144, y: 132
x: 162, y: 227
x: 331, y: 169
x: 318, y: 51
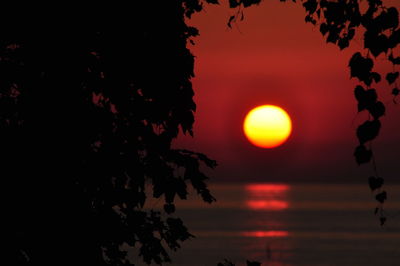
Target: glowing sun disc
x: 267, y: 126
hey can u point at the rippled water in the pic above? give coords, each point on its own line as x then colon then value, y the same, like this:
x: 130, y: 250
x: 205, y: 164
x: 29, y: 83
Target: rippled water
x: 284, y: 224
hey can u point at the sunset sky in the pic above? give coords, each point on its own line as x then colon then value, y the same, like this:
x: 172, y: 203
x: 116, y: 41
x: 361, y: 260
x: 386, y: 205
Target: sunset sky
x: 274, y: 57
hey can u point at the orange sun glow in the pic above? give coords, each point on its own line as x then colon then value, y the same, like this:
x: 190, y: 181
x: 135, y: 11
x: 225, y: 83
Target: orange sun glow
x: 267, y: 126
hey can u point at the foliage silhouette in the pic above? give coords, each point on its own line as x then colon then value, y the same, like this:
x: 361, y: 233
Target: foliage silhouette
x: 380, y: 26
x: 90, y: 106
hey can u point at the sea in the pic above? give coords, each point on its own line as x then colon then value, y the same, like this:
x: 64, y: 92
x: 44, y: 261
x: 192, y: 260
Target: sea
x: 281, y: 224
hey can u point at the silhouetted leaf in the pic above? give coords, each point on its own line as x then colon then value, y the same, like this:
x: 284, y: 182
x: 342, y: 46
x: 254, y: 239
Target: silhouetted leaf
x: 368, y: 131
x: 381, y: 197
x: 360, y: 67
x: 394, y: 38
x: 382, y: 220
x: 158, y: 190
x: 180, y: 187
x: 309, y: 18
x: 377, y: 110
x: 141, y: 198
x: 394, y: 60
x: 215, y: 2
x: 226, y: 263
x: 253, y: 263
x: 376, y: 210
x: 169, y: 208
x: 333, y: 35
x: 323, y: 28
x: 170, y: 192
x: 388, y: 19
x: 209, y: 162
x: 377, y: 43
x: 310, y: 6
x: 351, y: 33
x: 362, y: 154
x: 376, y: 77
x: 365, y: 98
x: 233, y: 3
x: 391, y: 77
x: 375, y: 182
x: 343, y: 43
x: 247, y: 3
x: 395, y: 91
x: 231, y: 18
x: 176, y: 232
x: 192, y: 31
x: 192, y: 6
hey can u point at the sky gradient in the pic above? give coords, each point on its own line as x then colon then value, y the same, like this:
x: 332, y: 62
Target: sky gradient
x: 274, y: 57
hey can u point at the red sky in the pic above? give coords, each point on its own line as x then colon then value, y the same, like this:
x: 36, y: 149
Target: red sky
x: 274, y: 57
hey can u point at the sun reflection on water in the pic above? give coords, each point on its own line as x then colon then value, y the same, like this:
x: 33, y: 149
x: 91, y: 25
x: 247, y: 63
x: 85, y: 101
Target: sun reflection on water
x: 271, y: 233
x: 267, y: 196
x: 267, y: 188
x: 267, y: 204
x: 267, y: 234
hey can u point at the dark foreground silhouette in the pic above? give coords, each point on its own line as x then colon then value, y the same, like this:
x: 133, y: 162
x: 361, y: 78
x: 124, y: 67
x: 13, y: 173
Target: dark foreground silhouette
x: 89, y: 107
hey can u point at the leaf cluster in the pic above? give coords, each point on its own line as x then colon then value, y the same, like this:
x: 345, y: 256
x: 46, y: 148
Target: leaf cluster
x: 339, y: 21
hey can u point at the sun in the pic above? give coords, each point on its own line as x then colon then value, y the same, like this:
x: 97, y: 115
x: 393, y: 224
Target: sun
x: 267, y: 126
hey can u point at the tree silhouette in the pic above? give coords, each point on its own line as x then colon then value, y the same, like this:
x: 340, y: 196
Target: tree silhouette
x: 91, y: 103
x: 89, y: 107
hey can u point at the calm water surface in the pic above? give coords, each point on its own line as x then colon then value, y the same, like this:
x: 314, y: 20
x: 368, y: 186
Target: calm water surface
x: 289, y: 224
